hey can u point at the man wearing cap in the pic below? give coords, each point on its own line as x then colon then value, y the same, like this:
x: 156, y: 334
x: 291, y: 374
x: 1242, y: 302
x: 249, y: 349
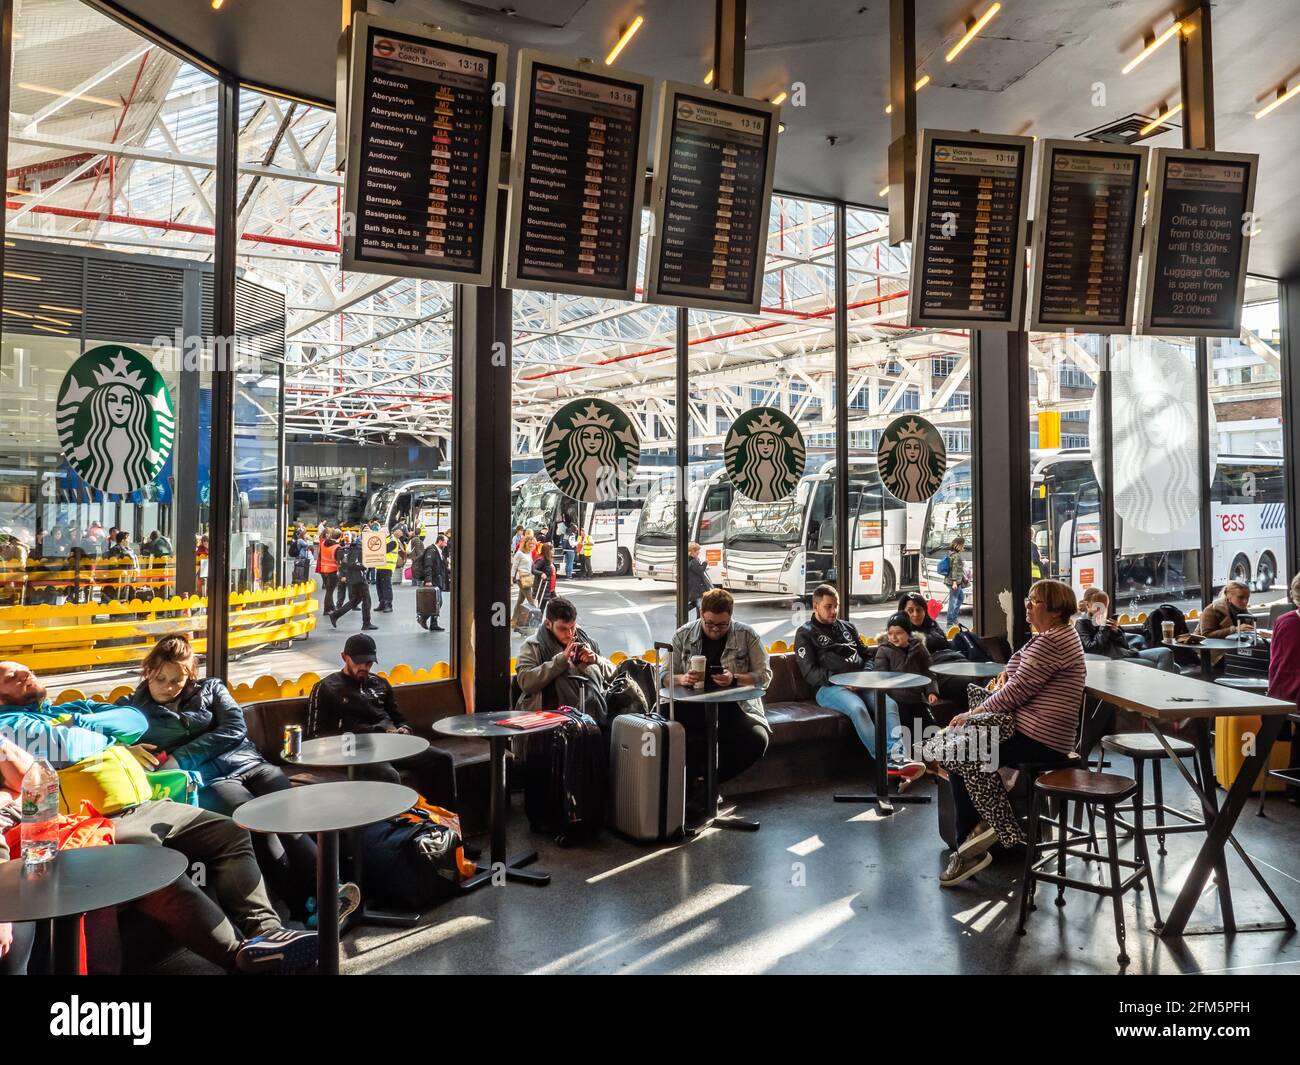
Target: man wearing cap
x: 357, y: 700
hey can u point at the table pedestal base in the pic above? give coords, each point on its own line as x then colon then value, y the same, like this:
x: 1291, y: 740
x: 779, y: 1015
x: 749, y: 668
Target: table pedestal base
x: 513, y: 867
x: 384, y: 918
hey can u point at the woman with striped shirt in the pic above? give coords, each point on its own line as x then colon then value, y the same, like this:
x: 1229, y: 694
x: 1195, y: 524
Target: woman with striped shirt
x: 1032, y: 717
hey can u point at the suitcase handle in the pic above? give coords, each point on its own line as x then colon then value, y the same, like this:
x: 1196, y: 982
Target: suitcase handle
x: 672, y: 700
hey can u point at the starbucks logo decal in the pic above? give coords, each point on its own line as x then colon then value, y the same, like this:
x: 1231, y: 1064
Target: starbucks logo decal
x: 591, y: 450
x: 764, y: 454
x: 911, y: 458
x: 115, y: 419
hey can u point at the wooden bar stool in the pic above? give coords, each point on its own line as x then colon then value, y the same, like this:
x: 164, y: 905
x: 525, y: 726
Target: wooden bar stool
x: 1104, y: 790
x: 1143, y: 747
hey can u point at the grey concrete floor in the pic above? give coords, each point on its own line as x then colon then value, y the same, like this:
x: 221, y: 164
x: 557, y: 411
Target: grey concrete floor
x: 826, y: 888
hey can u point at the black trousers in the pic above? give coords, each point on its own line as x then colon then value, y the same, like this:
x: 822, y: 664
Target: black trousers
x: 384, y: 587
x: 1013, y: 752
x: 287, y: 859
x: 330, y: 582
x: 432, y: 771
x: 742, y: 741
x: 358, y: 596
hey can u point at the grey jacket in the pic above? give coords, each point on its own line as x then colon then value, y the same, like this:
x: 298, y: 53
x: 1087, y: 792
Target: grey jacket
x: 534, y: 670
x: 743, y: 652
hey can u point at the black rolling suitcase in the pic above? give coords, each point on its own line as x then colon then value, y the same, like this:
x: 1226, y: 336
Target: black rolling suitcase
x: 566, y: 779
x: 428, y: 602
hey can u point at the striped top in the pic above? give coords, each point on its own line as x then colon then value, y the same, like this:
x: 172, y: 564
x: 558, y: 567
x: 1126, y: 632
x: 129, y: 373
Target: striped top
x: 1044, y: 688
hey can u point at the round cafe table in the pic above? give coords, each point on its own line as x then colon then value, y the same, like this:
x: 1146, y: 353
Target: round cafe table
x: 968, y: 670
x: 880, y: 682
x: 711, y: 699
x: 78, y: 881
x: 352, y: 752
x: 488, y: 726
x: 325, y: 810
x: 1207, y: 648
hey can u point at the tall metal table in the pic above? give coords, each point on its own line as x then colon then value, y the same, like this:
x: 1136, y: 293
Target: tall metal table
x: 711, y: 699
x: 351, y: 752
x: 880, y: 682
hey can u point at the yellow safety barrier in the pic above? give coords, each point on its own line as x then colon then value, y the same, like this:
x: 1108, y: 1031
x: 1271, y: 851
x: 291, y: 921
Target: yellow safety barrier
x: 21, y: 581
x: 71, y: 637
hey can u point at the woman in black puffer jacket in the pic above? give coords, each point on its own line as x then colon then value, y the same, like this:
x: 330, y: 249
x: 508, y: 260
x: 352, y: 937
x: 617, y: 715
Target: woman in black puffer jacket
x: 197, y: 725
x: 930, y: 631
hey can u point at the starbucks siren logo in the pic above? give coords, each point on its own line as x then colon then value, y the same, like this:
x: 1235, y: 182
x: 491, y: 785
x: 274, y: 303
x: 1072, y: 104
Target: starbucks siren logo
x: 764, y: 454
x: 591, y: 450
x: 911, y: 459
x: 115, y: 419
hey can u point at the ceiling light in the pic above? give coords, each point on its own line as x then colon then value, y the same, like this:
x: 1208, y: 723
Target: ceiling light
x: 1152, y: 46
x: 1283, y: 95
x: 708, y: 78
x: 884, y: 191
x: 779, y: 98
x: 622, y: 41
x: 1160, y: 120
x: 972, y: 31
x: 921, y: 83
x: 780, y: 127
x: 16, y: 314
x: 21, y: 277
x: 49, y: 329
x: 71, y: 95
x: 56, y: 321
x: 56, y: 307
x: 216, y: 4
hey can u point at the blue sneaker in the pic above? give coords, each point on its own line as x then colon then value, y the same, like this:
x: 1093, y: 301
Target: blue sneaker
x: 286, y: 950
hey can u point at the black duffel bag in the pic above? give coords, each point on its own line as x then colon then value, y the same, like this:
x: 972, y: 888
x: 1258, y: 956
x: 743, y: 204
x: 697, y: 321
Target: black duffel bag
x: 631, y: 690
x: 410, y: 861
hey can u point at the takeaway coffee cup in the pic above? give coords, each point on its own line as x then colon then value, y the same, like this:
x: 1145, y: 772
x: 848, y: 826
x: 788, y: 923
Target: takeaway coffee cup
x: 1167, y: 630
x: 698, y: 665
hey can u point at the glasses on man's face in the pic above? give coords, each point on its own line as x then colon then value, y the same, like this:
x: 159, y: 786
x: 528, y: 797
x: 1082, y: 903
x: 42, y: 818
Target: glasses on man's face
x: 716, y: 626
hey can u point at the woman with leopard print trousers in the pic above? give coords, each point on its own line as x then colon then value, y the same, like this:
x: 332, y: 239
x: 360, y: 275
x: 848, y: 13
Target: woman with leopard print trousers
x: 1032, y: 717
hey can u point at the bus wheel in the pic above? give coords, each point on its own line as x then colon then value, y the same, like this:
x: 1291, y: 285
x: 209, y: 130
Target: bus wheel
x: 624, y: 562
x: 888, y: 583
x: 1266, y: 574
x: 1240, y: 570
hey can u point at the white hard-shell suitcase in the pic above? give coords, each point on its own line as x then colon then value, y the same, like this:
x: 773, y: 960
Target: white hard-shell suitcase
x: 647, y: 756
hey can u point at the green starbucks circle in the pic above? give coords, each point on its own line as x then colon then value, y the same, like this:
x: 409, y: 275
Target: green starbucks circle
x: 115, y: 419
x: 911, y: 459
x: 764, y: 454
x: 591, y: 450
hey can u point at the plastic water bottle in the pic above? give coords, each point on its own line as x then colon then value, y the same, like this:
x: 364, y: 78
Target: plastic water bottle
x: 40, y: 831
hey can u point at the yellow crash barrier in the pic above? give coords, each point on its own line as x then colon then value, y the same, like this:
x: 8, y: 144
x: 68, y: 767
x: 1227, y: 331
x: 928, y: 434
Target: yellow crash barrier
x: 71, y: 637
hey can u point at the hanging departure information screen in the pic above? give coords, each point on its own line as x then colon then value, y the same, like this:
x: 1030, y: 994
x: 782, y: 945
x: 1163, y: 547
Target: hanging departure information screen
x: 1197, y: 241
x: 423, y: 152
x: 714, y: 160
x: 1087, y: 229
x: 969, y: 250
x: 577, y: 178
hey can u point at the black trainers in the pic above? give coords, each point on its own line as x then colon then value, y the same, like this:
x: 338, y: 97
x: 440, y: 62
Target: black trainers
x: 286, y: 950
x: 369, y: 628
x: 334, y: 622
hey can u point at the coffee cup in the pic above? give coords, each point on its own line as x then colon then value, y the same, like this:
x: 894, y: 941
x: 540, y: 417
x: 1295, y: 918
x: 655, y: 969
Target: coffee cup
x: 1167, y: 630
x: 698, y: 665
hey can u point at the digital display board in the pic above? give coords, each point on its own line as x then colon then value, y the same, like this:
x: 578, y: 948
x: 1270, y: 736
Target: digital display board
x: 714, y: 159
x: 1196, y: 242
x: 577, y: 177
x: 1087, y: 233
x: 968, y: 250
x: 423, y: 152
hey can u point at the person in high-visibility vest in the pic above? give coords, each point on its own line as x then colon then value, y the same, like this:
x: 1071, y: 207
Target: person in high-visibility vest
x: 384, y: 574
x: 583, y: 546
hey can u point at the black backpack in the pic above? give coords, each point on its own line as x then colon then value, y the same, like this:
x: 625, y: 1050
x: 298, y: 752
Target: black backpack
x: 632, y: 690
x: 966, y: 645
x: 1157, y: 617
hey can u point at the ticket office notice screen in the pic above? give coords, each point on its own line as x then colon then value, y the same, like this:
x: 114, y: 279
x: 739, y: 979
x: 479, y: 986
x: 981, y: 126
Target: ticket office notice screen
x: 577, y: 223
x: 712, y: 247
x: 1092, y: 203
x: 1198, y: 244
x: 972, y: 224
x: 423, y: 161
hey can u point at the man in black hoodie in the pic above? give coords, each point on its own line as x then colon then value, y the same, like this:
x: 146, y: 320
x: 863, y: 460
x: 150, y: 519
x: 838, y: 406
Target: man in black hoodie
x: 825, y: 646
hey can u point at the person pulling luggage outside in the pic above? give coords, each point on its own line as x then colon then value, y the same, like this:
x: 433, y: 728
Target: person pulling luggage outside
x: 301, y: 553
x: 357, y: 700
x: 352, y: 575
x: 734, y: 657
x: 952, y: 568
x: 697, y: 579
x: 826, y: 646
x: 384, y: 573
x: 434, y: 578
x: 554, y: 662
